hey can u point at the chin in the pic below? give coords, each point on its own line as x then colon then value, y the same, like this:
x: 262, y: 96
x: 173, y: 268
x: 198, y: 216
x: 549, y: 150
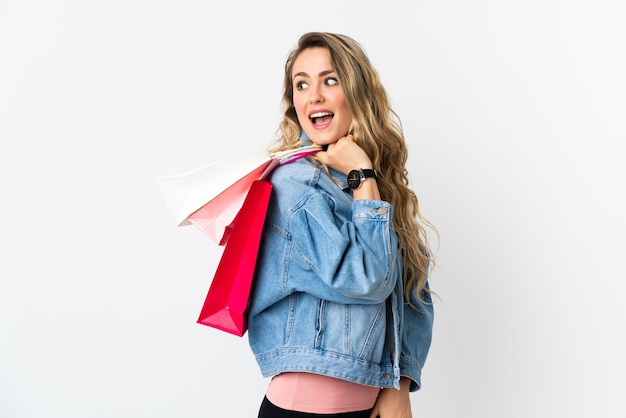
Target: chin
x: 326, y: 139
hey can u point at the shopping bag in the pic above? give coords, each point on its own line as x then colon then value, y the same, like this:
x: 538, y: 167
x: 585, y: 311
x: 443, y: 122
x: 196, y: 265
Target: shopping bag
x: 190, y: 191
x: 209, y: 197
x: 215, y: 218
x: 227, y: 300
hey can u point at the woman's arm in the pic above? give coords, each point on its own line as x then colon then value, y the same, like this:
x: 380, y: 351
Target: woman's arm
x: 417, y: 330
x: 354, y: 259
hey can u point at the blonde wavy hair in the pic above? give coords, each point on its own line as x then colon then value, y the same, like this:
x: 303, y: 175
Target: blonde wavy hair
x: 377, y: 129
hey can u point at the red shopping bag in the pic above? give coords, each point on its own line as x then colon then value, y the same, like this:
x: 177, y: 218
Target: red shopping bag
x: 227, y: 300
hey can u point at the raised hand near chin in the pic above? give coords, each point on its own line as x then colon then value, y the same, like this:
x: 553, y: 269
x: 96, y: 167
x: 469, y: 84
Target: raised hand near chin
x: 345, y: 155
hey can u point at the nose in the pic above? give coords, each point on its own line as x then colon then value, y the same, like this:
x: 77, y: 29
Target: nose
x: 315, y: 95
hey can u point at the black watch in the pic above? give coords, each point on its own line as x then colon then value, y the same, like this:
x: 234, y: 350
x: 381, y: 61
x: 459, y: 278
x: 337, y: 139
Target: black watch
x: 357, y: 177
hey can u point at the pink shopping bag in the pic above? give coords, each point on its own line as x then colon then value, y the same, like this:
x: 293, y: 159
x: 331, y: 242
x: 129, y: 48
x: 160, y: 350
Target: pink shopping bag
x: 215, y: 218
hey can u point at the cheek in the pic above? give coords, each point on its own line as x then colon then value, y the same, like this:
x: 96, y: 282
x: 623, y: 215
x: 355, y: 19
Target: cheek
x: 299, y: 105
x: 342, y: 104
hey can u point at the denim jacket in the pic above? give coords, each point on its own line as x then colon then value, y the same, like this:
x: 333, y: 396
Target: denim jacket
x: 328, y: 295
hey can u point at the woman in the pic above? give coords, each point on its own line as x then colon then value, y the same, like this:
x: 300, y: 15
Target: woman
x: 341, y: 313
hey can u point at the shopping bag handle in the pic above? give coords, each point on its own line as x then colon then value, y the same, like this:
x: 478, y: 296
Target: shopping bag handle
x: 291, y: 155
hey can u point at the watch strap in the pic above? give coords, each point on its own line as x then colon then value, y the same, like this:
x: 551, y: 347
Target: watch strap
x: 369, y: 173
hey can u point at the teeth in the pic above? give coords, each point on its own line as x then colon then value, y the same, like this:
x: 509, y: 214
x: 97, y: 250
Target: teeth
x: 320, y: 114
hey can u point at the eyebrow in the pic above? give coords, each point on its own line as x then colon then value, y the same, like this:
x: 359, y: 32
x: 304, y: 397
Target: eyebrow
x: 303, y: 74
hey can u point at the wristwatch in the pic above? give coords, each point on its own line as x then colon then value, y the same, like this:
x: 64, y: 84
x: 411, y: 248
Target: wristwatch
x: 357, y: 177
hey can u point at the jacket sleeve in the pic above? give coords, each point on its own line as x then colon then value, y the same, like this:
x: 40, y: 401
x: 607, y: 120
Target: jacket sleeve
x: 417, y: 329
x: 353, y: 259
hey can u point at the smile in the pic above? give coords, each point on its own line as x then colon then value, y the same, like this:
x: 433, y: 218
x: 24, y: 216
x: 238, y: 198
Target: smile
x: 321, y: 118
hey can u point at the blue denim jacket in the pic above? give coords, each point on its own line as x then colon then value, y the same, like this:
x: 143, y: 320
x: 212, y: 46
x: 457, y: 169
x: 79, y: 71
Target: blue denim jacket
x: 328, y: 294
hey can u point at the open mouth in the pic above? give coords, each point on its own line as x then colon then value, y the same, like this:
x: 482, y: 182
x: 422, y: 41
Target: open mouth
x: 321, y: 118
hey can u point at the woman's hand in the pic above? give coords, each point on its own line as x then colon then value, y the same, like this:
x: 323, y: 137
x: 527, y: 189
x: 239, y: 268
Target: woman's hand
x: 345, y: 155
x: 393, y: 403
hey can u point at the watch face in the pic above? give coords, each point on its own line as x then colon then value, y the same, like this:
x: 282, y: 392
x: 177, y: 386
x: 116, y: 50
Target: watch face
x: 354, y: 179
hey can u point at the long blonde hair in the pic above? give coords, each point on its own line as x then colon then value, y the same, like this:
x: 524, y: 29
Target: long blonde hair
x: 378, y: 130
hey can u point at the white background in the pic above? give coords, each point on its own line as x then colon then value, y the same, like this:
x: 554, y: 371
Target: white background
x: 515, y: 116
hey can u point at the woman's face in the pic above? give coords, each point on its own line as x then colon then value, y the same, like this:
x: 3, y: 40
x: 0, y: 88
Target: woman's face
x: 318, y: 98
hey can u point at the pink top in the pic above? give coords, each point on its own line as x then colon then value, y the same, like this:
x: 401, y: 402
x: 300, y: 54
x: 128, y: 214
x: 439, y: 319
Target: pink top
x: 317, y: 394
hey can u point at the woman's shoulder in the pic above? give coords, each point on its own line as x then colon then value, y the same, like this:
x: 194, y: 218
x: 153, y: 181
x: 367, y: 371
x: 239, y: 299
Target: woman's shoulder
x: 303, y: 178
x: 301, y: 171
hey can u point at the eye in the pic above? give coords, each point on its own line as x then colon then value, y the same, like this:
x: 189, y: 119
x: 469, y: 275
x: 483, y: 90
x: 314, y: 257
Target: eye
x: 331, y: 81
x: 300, y: 85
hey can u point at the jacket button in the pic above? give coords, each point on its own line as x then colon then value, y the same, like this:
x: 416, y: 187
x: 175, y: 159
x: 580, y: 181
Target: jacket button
x: 385, y: 376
